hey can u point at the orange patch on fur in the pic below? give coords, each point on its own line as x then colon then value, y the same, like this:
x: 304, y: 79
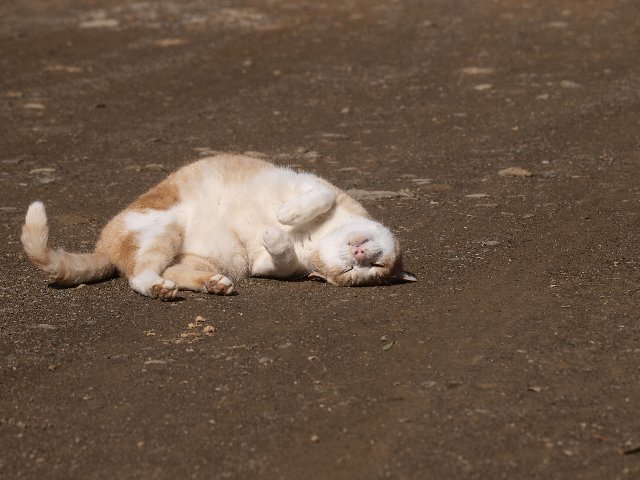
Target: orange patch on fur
x: 120, y: 246
x: 197, y: 262
x: 161, y: 197
x: 189, y: 279
x: 332, y: 274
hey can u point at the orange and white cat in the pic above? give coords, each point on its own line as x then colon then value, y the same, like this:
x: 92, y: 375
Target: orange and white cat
x: 224, y: 218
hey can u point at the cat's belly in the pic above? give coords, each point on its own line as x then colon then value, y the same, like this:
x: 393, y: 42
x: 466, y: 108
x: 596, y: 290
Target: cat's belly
x: 220, y: 245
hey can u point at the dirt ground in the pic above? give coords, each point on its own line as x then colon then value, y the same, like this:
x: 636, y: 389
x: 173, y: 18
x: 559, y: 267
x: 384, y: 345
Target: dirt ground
x: 516, y: 355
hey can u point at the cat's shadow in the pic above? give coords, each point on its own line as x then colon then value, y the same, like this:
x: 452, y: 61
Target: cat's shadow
x: 58, y: 286
x: 396, y: 281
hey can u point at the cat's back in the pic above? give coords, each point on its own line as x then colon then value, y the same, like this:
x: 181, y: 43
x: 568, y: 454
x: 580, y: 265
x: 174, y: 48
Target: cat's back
x: 231, y: 182
x: 229, y: 178
x: 220, y: 171
x: 244, y: 183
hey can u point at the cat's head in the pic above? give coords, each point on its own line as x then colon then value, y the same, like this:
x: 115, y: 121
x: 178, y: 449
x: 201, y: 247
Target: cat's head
x: 363, y: 252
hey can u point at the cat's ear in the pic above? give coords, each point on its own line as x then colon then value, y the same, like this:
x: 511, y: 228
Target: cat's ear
x: 315, y: 275
x: 399, y: 275
x: 403, y: 276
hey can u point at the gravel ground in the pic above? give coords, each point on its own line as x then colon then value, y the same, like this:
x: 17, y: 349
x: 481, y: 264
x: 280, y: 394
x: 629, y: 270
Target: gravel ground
x: 517, y: 353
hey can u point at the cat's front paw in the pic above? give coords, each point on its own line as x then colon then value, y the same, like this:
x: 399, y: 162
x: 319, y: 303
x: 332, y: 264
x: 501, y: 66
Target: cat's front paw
x: 275, y: 241
x: 164, y: 290
x: 219, y: 285
x: 290, y: 214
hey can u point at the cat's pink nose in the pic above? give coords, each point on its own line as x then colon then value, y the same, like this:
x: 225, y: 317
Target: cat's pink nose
x: 359, y: 253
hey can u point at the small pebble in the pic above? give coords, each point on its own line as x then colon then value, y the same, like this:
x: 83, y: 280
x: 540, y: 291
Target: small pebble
x: 170, y: 42
x: 421, y: 181
x: 515, y: 172
x: 62, y: 68
x: 314, y: 438
x: 209, y: 329
x: 490, y: 243
x: 376, y: 194
x: 100, y: 23
x: 46, y: 326
x: 477, y: 195
x: 569, y: 84
x: 155, y: 362
x: 33, y: 106
x: 477, y: 71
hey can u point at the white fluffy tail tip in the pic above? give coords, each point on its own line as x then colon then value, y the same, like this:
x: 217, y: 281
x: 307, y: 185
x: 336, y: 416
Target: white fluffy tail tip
x: 36, y: 214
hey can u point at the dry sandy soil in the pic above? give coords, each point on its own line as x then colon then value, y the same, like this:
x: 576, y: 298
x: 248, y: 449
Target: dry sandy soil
x: 517, y: 353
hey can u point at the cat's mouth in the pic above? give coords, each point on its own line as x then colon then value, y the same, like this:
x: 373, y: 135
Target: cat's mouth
x: 365, y: 255
x: 369, y: 265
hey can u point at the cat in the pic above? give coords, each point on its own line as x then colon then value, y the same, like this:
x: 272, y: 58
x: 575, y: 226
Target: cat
x: 223, y: 218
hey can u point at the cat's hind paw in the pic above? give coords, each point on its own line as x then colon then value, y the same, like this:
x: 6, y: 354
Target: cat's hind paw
x: 164, y: 290
x: 219, y: 285
x: 276, y: 242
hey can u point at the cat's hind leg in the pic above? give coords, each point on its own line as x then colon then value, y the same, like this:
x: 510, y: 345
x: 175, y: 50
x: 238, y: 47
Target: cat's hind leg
x: 152, y: 242
x: 316, y: 200
x: 282, y: 260
x: 196, y: 274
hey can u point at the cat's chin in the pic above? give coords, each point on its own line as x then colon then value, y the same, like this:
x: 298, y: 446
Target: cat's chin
x: 320, y: 277
x: 354, y: 277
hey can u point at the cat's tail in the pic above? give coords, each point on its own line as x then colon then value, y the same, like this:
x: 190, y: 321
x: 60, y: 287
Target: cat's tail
x: 65, y: 268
